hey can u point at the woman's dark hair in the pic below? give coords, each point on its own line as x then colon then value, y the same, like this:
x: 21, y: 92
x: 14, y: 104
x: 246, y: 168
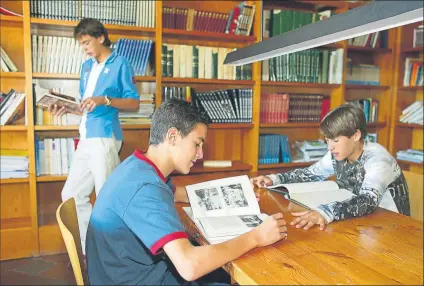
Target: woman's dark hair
x: 93, y: 28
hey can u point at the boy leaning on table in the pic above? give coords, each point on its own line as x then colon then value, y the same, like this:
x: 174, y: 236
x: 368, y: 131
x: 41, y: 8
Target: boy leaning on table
x: 134, y: 217
x: 364, y: 168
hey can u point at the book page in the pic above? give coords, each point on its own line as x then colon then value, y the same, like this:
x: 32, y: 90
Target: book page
x: 224, y: 197
x: 312, y: 200
x: 48, y: 99
x: 231, y: 225
x: 305, y: 187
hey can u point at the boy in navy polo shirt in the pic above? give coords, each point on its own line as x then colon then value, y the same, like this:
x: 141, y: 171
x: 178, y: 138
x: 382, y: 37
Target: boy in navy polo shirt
x: 134, y: 217
x: 106, y: 86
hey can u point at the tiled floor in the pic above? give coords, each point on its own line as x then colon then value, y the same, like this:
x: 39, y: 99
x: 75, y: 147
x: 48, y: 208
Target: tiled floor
x: 46, y: 270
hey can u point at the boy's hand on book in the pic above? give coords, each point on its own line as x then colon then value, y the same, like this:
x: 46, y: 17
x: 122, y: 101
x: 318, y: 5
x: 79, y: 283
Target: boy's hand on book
x: 308, y: 219
x: 271, y: 230
x: 57, y: 110
x: 261, y: 181
x: 92, y: 102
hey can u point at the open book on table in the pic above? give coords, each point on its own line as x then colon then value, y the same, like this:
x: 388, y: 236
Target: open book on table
x: 312, y: 194
x: 61, y: 100
x: 225, y: 208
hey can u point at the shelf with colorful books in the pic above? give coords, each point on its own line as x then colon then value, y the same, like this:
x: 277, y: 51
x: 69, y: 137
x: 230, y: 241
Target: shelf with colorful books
x: 290, y: 125
x: 51, y: 24
x: 367, y: 87
x: 207, y: 81
x: 284, y: 165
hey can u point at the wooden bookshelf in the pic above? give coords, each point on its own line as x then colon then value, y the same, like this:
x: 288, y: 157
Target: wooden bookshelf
x: 77, y: 76
x: 12, y: 75
x: 284, y: 165
x: 209, y: 36
x: 412, y: 88
x: 368, y: 49
x: 410, y: 163
x: 299, y: 84
x: 408, y: 125
x: 51, y: 178
x: 207, y: 81
x: 14, y: 181
x: 412, y: 50
x: 367, y: 87
x: 236, y: 166
x: 290, y: 125
x: 12, y: 19
x: 5, y: 128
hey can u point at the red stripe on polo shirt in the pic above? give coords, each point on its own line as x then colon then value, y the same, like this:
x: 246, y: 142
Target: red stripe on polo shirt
x: 141, y: 156
x: 167, y: 238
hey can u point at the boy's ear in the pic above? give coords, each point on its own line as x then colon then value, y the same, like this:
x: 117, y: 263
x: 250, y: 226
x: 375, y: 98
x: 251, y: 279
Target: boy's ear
x: 171, y: 135
x: 357, y: 136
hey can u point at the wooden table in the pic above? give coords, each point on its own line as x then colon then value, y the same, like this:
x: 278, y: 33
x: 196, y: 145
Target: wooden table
x: 380, y: 248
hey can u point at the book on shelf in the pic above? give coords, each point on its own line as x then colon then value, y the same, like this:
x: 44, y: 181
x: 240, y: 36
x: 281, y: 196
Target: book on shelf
x: 373, y: 40
x: 217, y: 163
x: 224, y: 209
x: 414, y: 72
x: 362, y: 74
x: 14, y: 163
x: 418, y: 40
x: 12, y: 107
x: 312, y: 194
x: 413, y: 114
x: 7, y: 12
x: 309, y: 150
x: 273, y: 149
x: 411, y: 155
x: 129, y: 13
x: 370, y: 108
x: 6, y: 63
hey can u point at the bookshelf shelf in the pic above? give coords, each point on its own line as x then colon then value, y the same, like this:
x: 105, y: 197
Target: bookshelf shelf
x: 135, y: 126
x: 299, y: 84
x: 284, y: 165
x: 77, y: 76
x: 367, y: 87
x: 75, y: 127
x: 207, y: 36
x: 14, y: 181
x: 208, y: 81
x: 412, y: 88
x: 15, y: 19
x: 13, y: 128
x: 377, y: 124
x: 407, y: 125
x: 69, y: 25
x: 368, y: 49
x: 51, y: 178
x: 231, y: 126
x: 15, y: 223
x: 12, y: 75
x: 412, y: 50
x: 290, y: 125
x: 409, y: 163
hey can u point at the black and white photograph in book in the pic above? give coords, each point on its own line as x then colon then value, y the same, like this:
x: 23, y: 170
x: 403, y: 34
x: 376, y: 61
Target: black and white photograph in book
x: 251, y: 220
x: 234, y: 196
x: 209, y: 199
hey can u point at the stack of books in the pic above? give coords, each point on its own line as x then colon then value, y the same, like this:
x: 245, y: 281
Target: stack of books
x: 411, y: 155
x: 273, y: 149
x: 414, y: 72
x: 309, y: 150
x: 12, y: 107
x: 6, y: 63
x: 14, y: 163
x: 144, y: 113
x: 413, y: 113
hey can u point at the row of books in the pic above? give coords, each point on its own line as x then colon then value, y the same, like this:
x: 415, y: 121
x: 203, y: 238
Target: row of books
x: 283, y: 108
x: 54, y: 54
x: 14, y: 163
x: 200, y: 62
x: 273, y: 149
x: 414, y: 72
x: 144, y: 113
x: 6, y: 63
x: 362, y: 74
x: 411, y: 155
x: 312, y: 66
x: 309, y: 150
x: 12, y: 107
x: 373, y: 40
x: 53, y: 156
x: 418, y: 38
x: 137, y: 52
x: 277, y: 21
x: 370, y: 108
x: 225, y: 106
x: 413, y: 113
x: 238, y: 22
x: 130, y: 13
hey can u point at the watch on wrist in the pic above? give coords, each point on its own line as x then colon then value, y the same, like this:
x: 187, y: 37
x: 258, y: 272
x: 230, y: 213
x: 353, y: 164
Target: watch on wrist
x: 108, y: 101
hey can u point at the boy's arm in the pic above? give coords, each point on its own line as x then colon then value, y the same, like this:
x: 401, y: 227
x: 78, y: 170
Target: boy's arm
x: 319, y: 171
x: 378, y: 176
x: 180, y: 195
x: 193, y: 262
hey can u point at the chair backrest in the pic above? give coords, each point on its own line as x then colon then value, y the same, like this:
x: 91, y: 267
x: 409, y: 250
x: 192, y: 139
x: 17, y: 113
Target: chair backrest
x: 415, y: 187
x: 66, y: 216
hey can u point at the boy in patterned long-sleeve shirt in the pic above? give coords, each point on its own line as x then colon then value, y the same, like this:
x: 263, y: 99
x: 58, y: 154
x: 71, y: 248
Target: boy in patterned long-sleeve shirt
x: 366, y: 169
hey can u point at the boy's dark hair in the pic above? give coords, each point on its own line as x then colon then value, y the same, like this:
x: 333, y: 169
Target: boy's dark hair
x: 344, y: 121
x: 175, y: 113
x: 92, y: 27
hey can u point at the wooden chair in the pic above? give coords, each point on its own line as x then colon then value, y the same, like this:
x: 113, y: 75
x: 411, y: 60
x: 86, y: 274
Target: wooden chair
x: 415, y: 187
x: 66, y: 216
